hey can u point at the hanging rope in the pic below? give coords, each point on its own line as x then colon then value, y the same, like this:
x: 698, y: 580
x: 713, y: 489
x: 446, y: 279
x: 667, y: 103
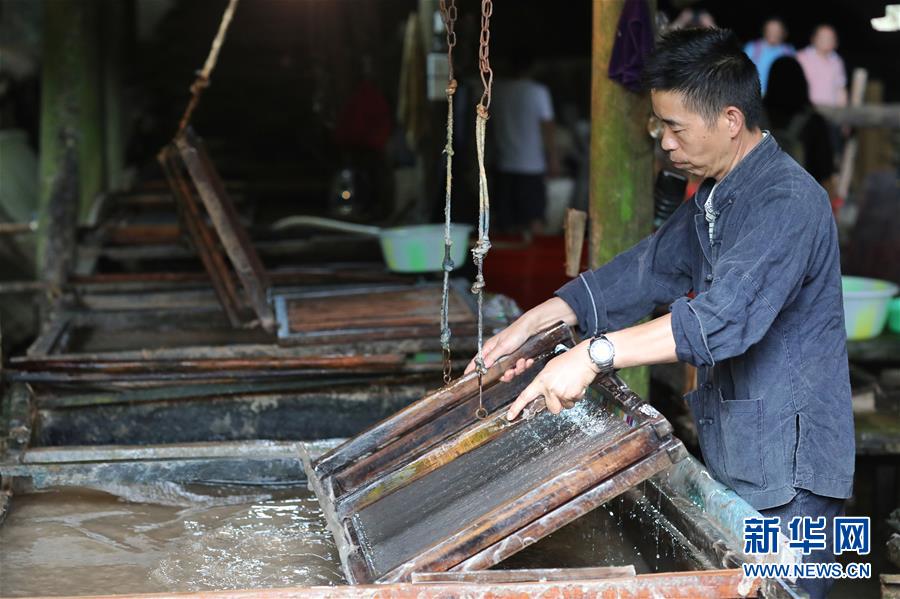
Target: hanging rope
x: 484, y: 206
x: 202, y: 80
x: 448, y: 12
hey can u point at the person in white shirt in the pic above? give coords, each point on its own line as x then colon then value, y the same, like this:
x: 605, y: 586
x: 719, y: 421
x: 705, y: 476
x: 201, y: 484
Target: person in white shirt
x: 522, y: 129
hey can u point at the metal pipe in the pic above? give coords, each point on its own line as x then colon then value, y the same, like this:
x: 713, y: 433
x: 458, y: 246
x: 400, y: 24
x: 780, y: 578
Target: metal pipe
x: 18, y: 228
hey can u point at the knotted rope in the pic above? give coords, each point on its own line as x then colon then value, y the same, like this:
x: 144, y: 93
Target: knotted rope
x: 203, y: 76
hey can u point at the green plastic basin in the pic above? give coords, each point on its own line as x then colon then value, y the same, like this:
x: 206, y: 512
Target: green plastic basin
x: 866, y: 306
x: 420, y: 248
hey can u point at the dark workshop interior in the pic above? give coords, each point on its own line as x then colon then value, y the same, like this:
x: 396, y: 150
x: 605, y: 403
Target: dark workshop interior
x: 253, y: 252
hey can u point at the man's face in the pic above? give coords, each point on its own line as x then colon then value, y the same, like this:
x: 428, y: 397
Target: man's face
x: 774, y: 32
x: 691, y: 143
x: 825, y: 39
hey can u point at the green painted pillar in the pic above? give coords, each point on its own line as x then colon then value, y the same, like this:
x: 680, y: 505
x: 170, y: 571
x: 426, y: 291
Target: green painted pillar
x: 118, y: 33
x: 92, y: 139
x: 60, y: 84
x: 72, y: 149
x: 621, y: 180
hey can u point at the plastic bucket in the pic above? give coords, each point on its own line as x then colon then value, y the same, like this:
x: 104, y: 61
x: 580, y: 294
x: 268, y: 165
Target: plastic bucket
x: 866, y: 306
x: 420, y: 248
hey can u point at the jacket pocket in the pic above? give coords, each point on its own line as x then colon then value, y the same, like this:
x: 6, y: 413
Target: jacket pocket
x: 742, y: 423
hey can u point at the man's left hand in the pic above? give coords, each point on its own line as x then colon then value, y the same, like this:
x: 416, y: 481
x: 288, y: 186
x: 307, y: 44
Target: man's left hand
x: 562, y: 382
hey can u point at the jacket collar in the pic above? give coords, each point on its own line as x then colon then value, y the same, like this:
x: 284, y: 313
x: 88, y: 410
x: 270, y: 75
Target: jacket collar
x: 745, y: 170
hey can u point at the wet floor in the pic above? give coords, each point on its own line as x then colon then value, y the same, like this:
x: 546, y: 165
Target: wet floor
x: 80, y: 541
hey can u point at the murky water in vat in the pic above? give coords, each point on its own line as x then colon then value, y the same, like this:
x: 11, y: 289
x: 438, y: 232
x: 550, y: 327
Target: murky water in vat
x: 612, y: 535
x: 79, y: 541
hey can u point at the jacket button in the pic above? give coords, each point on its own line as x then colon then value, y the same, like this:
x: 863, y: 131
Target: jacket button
x: 707, y: 386
x: 709, y: 278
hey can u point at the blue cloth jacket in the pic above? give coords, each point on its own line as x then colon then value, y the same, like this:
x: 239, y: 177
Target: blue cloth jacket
x: 765, y: 327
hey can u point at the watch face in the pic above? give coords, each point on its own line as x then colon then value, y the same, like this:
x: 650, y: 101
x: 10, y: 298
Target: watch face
x: 601, y: 351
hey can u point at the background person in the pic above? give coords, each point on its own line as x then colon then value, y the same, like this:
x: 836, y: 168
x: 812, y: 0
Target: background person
x: 771, y: 46
x: 523, y: 129
x: 824, y: 69
x: 799, y: 129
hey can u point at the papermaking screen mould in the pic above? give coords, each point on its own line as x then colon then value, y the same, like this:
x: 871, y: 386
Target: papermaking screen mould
x: 433, y: 489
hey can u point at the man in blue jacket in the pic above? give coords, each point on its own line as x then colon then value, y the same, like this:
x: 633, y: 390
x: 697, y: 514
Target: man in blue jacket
x: 765, y: 327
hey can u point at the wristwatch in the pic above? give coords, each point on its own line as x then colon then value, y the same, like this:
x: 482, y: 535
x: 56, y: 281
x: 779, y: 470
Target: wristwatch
x: 602, y: 353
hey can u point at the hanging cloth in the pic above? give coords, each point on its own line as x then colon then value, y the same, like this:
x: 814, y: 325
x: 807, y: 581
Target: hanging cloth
x: 634, y: 41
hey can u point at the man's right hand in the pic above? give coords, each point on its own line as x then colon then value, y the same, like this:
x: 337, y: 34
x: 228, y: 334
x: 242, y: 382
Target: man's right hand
x: 512, y: 337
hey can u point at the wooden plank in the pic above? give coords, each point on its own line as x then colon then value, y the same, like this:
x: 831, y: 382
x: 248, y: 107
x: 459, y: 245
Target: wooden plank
x: 229, y: 230
x: 49, y: 339
x: 294, y: 363
x: 715, y: 584
x: 249, y: 470
x: 241, y: 350
x: 407, y: 307
x: 116, y: 453
x: 533, y: 575
x: 333, y: 336
x: 885, y: 116
x: 144, y: 234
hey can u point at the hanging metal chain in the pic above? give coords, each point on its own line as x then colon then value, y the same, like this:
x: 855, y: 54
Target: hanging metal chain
x: 202, y: 80
x: 448, y: 12
x: 484, y: 50
x: 484, y: 205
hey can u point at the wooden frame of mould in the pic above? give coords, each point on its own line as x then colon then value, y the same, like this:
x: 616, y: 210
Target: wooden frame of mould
x: 198, y: 342
x: 301, y: 317
x: 346, y: 315
x: 188, y: 153
x: 190, y: 346
x: 382, y: 466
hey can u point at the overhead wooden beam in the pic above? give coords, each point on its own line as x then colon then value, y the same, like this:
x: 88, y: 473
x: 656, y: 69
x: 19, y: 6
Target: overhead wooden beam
x: 621, y: 159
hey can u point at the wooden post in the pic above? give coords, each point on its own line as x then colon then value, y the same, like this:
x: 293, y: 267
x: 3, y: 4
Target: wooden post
x: 621, y: 180
x: 575, y: 226
x: 848, y: 159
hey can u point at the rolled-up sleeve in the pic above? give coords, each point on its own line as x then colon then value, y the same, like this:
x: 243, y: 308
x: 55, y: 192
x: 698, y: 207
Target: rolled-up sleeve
x: 753, y: 280
x: 653, y: 272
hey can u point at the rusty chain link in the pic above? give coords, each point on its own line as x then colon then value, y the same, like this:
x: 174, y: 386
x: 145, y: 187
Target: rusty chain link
x: 484, y: 61
x: 448, y: 13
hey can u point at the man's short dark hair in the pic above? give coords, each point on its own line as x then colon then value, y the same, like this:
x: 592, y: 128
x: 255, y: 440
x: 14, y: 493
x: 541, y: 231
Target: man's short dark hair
x: 709, y: 68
